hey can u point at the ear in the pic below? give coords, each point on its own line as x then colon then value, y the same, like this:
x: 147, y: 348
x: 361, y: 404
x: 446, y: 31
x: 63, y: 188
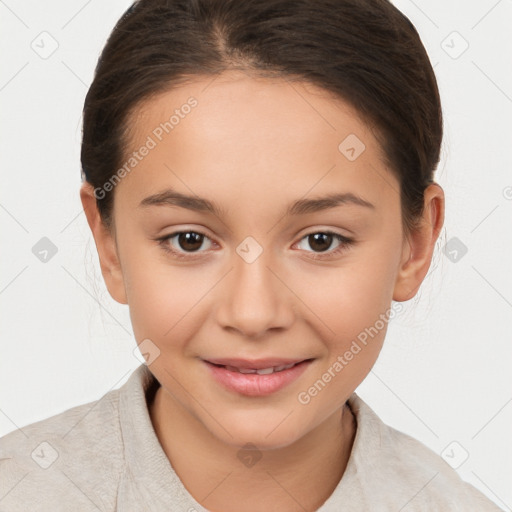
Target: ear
x: 419, y: 245
x: 105, y: 245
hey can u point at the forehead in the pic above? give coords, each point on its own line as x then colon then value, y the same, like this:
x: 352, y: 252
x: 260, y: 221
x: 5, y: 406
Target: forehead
x: 236, y: 137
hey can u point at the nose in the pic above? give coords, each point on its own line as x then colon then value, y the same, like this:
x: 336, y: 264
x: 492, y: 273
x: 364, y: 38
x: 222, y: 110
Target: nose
x: 255, y: 299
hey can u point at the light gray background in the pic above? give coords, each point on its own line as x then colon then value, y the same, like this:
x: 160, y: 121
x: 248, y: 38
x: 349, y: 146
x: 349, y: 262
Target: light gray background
x: 444, y: 374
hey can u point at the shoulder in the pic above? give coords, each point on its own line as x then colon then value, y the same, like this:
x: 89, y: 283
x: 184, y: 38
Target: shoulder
x: 406, y: 473
x: 72, y: 458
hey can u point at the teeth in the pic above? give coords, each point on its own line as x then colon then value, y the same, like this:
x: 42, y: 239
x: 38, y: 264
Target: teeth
x: 232, y: 368
x: 265, y: 371
x: 261, y: 371
x: 245, y: 370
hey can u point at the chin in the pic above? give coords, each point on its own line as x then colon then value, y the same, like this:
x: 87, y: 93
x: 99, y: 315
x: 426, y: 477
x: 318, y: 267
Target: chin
x: 263, y: 430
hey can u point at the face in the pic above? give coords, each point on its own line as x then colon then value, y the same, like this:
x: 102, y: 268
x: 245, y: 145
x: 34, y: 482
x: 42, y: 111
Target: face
x: 288, y: 248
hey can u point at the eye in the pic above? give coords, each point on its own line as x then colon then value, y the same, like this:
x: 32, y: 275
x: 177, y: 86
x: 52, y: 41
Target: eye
x: 187, y: 244
x: 183, y: 243
x: 321, y: 241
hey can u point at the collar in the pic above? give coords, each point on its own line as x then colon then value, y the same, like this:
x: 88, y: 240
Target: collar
x: 150, y: 479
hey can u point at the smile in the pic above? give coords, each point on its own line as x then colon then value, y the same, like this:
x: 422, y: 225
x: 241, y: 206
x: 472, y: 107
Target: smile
x: 255, y: 378
x: 261, y: 371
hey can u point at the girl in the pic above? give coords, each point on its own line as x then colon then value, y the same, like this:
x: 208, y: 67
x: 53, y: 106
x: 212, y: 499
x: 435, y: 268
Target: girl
x: 258, y: 179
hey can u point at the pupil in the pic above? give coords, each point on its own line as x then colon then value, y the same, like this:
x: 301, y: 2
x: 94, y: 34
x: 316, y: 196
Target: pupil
x: 318, y: 240
x: 193, y: 241
x: 190, y: 240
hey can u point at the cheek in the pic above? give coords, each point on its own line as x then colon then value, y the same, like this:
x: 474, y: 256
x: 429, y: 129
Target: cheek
x: 351, y: 297
x: 353, y: 303
x: 163, y: 299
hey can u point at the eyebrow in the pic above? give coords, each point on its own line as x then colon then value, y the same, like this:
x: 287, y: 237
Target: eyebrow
x: 170, y: 197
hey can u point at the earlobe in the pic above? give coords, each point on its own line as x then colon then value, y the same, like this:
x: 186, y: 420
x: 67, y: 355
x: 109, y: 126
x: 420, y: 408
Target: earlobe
x: 105, y: 245
x: 419, y: 246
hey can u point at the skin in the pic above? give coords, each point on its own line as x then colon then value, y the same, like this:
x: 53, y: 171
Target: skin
x: 253, y: 146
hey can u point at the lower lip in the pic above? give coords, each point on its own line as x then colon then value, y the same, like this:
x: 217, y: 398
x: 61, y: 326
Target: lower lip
x: 253, y: 384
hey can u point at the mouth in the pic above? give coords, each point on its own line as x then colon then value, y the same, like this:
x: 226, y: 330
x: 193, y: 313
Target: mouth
x: 256, y: 377
x: 259, y: 368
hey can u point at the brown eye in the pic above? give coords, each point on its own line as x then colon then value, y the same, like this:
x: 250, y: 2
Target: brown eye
x: 320, y: 241
x: 190, y: 240
x: 184, y: 244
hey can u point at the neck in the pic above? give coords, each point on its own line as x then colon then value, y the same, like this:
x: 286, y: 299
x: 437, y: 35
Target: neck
x: 298, y: 477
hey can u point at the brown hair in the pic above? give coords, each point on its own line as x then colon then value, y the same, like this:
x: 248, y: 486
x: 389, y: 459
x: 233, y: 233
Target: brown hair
x: 366, y: 52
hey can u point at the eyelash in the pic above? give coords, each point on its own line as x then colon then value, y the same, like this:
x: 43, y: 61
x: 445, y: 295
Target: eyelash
x: 345, y: 244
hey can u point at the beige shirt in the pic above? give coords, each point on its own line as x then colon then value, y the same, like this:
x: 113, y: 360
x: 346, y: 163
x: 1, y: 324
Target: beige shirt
x: 105, y: 456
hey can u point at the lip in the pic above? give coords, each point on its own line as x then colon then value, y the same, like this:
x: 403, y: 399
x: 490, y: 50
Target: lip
x: 254, y: 384
x: 254, y: 364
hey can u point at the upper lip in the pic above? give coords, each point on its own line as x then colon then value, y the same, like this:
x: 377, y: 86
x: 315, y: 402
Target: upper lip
x: 254, y: 364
